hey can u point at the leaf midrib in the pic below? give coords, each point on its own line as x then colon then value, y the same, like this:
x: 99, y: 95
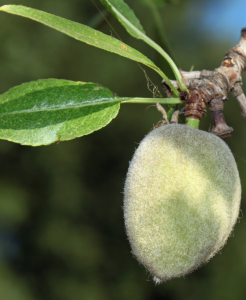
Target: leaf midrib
x: 33, y: 110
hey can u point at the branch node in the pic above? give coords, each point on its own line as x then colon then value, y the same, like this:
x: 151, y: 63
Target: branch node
x: 220, y: 127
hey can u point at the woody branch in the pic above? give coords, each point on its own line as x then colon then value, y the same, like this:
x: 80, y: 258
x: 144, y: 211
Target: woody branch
x: 212, y: 88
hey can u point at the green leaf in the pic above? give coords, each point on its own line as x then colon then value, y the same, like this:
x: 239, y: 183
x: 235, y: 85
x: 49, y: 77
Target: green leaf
x: 119, y: 11
x: 117, y: 7
x: 44, y: 111
x: 85, y: 34
x: 48, y: 110
x: 159, y: 2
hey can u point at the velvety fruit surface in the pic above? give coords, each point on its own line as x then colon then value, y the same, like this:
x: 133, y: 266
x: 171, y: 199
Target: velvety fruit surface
x: 181, y: 199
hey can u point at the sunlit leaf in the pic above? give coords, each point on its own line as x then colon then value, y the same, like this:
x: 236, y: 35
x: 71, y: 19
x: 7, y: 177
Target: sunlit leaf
x: 44, y: 111
x: 85, y: 34
x: 48, y: 110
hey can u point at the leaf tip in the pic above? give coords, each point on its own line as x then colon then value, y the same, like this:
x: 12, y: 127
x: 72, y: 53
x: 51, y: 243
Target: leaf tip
x: 6, y: 8
x: 3, y: 7
x: 10, y: 7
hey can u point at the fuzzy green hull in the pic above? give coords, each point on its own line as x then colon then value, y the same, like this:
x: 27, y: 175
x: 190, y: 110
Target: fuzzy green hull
x: 181, y: 199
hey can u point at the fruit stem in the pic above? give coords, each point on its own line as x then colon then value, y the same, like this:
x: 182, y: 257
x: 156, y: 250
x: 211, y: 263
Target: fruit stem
x: 192, y: 122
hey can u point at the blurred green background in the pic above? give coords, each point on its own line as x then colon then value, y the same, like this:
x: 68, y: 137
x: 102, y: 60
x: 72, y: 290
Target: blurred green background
x: 61, y: 221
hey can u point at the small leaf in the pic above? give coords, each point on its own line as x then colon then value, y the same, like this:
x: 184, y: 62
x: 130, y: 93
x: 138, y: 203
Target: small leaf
x: 85, y: 34
x: 125, y: 11
x: 48, y: 110
x: 126, y: 17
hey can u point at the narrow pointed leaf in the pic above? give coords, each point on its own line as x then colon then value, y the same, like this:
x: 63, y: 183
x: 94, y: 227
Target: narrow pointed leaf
x: 125, y: 11
x: 117, y: 8
x: 85, y: 34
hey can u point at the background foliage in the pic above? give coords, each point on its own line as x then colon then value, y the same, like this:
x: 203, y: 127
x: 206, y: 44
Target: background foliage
x: 61, y: 227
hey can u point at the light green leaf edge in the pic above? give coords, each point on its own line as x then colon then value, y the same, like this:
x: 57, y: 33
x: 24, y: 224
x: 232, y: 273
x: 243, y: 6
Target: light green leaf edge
x: 48, y: 110
x: 135, y: 32
x: 85, y: 34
